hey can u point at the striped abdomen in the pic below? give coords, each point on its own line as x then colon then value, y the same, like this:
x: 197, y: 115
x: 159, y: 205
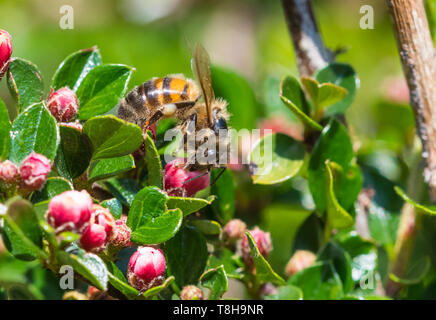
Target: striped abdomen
x: 147, y: 100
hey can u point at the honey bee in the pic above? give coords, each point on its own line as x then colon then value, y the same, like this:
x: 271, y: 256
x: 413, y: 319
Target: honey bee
x: 158, y: 98
x: 206, y: 118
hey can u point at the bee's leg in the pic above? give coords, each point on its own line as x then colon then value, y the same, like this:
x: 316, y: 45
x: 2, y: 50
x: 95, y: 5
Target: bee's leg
x: 184, y: 104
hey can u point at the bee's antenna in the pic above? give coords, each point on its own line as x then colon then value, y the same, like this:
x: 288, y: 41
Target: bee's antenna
x: 218, y: 176
x: 192, y: 179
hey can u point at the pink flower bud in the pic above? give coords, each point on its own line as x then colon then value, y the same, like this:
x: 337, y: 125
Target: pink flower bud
x: 146, y: 268
x: 34, y: 171
x: 234, y: 230
x: 191, y: 293
x: 63, y: 104
x: 8, y: 172
x: 263, y: 242
x: 5, y: 51
x: 70, y: 210
x: 96, y: 234
x: 181, y: 182
x: 301, y: 260
x: 121, y: 235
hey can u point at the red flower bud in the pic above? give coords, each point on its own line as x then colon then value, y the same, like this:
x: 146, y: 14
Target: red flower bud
x: 63, y: 104
x: 121, y: 235
x: 146, y: 268
x: 191, y: 293
x: 181, y: 182
x: 96, y: 234
x: 301, y: 259
x: 70, y: 210
x: 8, y: 172
x: 234, y: 230
x: 263, y: 242
x: 34, y: 171
x: 5, y: 51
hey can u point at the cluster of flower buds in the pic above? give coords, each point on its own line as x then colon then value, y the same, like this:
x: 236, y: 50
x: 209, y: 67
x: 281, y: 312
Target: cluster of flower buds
x: 180, y: 182
x: 191, y: 293
x: 301, y: 260
x: 263, y: 242
x: 74, y: 211
x: 63, y: 104
x: 146, y: 268
x: 5, y: 51
x: 31, y: 174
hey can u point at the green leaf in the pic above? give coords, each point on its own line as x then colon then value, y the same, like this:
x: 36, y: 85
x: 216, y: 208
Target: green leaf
x: 24, y: 83
x: 115, y: 207
x: 216, y: 280
x: 186, y: 255
x: 21, y: 233
x: 243, y: 105
x: 323, y: 94
x: 344, y: 76
x: 5, y: 127
x: 112, y: 137
x: 276, y: 158
x: 156, y: 290
x: 334, y: 145
x: 119, y: 282
x: 153, y: 163
x: 224, y: 191
x: 336, y: 215
x: 189, y: 205
x: 288, y: 292
x: 106, y: 168
x: 427, y: 210
x: 318, y: 282
x: 74, y: 153
x: 52, y: 187
x: 101, y: 89
x: 35, y: 129
x: 415, y: 273
x: 264, y: 272
x: 124, y: 190
x: 383, y: 225
x: 149, y: 219
x: 89, y: 265
x: 230, y: 261
x: 293, y: 97
x: 75, y: 67
x: 206, y: 227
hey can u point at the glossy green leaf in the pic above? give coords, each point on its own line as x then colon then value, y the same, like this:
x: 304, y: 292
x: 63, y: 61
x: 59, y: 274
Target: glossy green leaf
x: 87, y: 264
x: 189, y: 205
x: 422, y: 208
x: 24, y: 83
x: 382, y: 224
x: 224, y: 191
x: 242, y: 103
x: 153, y: 163
x: 35, y: 129
x: 216, y: 280
x: 21, y: 233
x: 124, y: 190
x: 106, y: 168
x: 264, y: 272
x: 232, y: 262
x: 149, y: 219
x: 186, y: 256
x: 287, y: 292
x: 293, y: 97
x: 206, y: 227
x: 112, y: 137
x: 334, y: 145
x: 276, y: 158
x: 52, y: 187
x: 156, y: 290
x: 74, y: 153
x: 5, y: 127
x: 119, y: 282
x: 115, y: 207
x: 75, y: 67
x: 323, y: 94
x: 415, y: 273
x: 101, y: 89
x: 344, y: 76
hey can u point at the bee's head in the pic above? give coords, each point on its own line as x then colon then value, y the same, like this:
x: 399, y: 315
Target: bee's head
x: 219, y: 124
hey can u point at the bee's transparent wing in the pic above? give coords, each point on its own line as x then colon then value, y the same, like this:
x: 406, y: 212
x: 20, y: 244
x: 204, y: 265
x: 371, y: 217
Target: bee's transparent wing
x: 201, y: 69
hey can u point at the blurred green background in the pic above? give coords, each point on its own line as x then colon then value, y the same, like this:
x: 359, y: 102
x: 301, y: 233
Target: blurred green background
x: 249, y: 37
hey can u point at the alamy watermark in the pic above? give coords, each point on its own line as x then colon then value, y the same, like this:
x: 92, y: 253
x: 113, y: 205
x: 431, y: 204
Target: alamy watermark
x: 67, y: 19
x: 367, y: 19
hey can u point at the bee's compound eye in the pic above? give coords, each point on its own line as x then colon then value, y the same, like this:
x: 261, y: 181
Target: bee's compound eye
x: 220, y: 124
x: 169, y: 109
